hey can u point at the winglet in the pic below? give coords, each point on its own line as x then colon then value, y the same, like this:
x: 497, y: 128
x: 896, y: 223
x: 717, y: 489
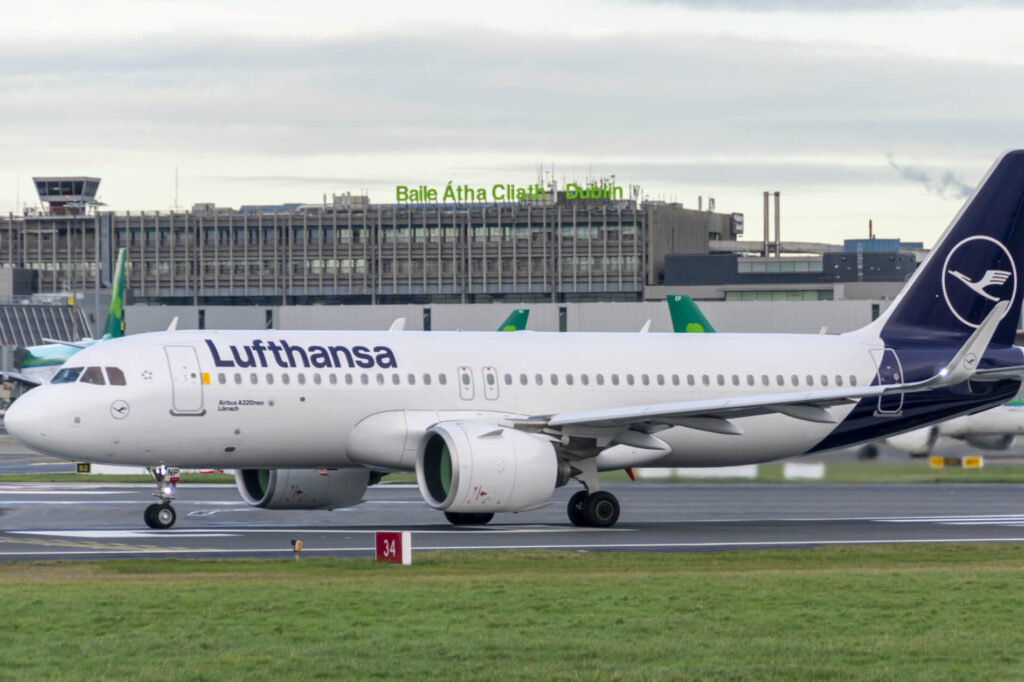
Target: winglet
x: 398, y: 325
x: 965, y: 362
x: 173, y: 326
x: 646, y: 328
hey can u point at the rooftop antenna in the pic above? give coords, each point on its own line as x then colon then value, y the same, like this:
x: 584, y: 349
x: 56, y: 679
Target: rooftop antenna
x: 176, y: 188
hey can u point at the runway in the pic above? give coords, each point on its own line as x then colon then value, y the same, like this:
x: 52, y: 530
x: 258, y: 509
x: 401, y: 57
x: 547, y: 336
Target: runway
x: 91, y: 521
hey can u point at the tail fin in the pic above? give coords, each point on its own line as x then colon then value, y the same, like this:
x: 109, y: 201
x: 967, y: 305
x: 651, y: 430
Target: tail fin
x: 516, y: 321
x: 972, y: 267
x: 686, y: 316
x: 114, y: 327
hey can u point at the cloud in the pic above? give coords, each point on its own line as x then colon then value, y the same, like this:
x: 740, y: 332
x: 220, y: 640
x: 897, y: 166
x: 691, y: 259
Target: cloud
x: 946, y: 184
x: 829, y: 6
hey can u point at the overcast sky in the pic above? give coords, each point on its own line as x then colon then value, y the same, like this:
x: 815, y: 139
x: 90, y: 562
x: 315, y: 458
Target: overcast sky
x: 879, y: 110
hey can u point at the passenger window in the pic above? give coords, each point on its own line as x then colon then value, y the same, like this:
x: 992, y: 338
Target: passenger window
x: 839, y: 380
x: 68, y: 375
x: 302, y: 378
x: 690, y: 381
x: 333, y: 378
x: 750, y: 380
x: 735, y: 379
x: 705, y: 379
x: 270, y: 379
x: 795, y: 379
x: 523, y: 380
x: 508, y: 379
x: 554, y: 379
x: 348, y: 379
x: 364, y: 379
x: 285, y: 379
x: 824, y: 380
x: 645, y: 380
x: 615, y: 379
x: 115, y: 376
x: 222, y: 378
x: 442, y: 379
x: 93, y: 375
x: 810, y: 380
x: 412, y: 379
x: 780, y: 380
x: 721, y: 380
x: 426, y: 379
x: 380, y: 379
x: 853, y: 380
x: 675, y: 380
x: 254, y: 378
x: 629, y: 379
x: 568, y: 380
x: 764, y: 380
x: 316, y: 378
x: 584, y: 379
x: 538, y: 379
x: 238, y: 377
x: 661, y: 379
x: 600, y: 379
x: 395, y: 379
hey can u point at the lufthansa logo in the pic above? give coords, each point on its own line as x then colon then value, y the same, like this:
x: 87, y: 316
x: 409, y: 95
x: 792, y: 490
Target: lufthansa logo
x: 119, y: 409
x: 976, y: 277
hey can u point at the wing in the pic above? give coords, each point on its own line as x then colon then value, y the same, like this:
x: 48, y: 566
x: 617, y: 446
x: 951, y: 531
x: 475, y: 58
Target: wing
x: 21, y: 378
x: 993, y: 278
x: 607, y: 425
x: 71, y: 344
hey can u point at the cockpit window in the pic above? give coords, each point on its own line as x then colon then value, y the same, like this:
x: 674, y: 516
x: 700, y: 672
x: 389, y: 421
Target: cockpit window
x: 68, y: 375
x: 93, y: 375
x: 115, y: 376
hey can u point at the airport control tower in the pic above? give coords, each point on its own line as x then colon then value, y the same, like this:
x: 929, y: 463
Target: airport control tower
x: 68, y: 195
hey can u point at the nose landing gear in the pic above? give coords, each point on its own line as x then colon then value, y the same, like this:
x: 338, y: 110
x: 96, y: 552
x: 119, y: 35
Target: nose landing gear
x: 162, y: 515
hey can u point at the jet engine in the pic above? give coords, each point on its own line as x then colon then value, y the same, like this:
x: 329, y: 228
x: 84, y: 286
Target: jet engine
x: 302, y: 488
x: 990, y: 441
x: 918, y: 442
x: 469, y: 467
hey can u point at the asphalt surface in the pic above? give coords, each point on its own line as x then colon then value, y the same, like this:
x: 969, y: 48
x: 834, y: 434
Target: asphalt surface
x: 87, y: 521
x: 92, y: 520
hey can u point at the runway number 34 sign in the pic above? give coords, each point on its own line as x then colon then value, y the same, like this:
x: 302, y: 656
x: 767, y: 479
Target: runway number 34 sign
x: 394, y: 547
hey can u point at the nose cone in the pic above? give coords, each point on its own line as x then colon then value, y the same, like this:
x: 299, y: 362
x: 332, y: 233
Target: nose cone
x: 26, y: 420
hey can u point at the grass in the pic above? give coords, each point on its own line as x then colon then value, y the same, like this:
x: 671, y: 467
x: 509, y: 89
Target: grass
x: 909, y: 612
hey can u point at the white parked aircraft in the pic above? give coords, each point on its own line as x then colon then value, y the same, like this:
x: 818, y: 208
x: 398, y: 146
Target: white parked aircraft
x: 992, y: 429
x: 493, y: 422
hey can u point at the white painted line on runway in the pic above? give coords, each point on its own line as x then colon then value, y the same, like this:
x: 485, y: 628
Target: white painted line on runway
x: 113, y: 534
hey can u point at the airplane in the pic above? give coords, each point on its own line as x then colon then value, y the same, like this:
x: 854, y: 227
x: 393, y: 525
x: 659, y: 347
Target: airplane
x: 992, y: 429
x: 493, y: 422
x: 38, y: 364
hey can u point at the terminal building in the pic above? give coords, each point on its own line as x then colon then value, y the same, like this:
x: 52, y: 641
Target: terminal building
x: 578, y: 264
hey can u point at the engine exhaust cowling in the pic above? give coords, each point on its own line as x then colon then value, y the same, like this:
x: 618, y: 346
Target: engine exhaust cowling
x: 302, y: 488
x: 482, y: 468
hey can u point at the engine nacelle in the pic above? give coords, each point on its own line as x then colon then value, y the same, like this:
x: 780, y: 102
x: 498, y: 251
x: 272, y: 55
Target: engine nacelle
x: 917, y: 442
x: 482, y: 468
x: 302, y: 488
x: 990, y: 441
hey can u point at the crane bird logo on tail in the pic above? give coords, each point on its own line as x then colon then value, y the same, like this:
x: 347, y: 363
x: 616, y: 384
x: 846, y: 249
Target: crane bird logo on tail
x: 984, y: 269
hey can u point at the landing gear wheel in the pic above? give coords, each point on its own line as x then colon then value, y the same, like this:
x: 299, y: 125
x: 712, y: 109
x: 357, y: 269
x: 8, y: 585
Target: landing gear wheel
x: 460, y: 519
x: 160, y: 516
x: 575, y: 508
x: 601, y: 510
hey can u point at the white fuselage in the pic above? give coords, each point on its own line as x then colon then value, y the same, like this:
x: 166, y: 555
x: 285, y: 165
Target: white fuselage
x: 179, y: 408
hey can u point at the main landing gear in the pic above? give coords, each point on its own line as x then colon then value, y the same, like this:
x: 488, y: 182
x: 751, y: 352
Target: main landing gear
x: 595, y: 510
x: 591, y: 507
x: 162, y: 515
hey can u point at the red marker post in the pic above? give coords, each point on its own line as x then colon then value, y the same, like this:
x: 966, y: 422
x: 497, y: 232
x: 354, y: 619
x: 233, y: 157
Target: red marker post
x: 394, y: 547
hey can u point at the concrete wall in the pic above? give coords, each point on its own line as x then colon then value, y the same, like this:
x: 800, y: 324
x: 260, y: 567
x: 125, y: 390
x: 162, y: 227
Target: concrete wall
x: 753, y: 316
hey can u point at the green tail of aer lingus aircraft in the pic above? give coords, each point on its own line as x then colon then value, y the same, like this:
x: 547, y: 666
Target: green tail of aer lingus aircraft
x: 38, y: 364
